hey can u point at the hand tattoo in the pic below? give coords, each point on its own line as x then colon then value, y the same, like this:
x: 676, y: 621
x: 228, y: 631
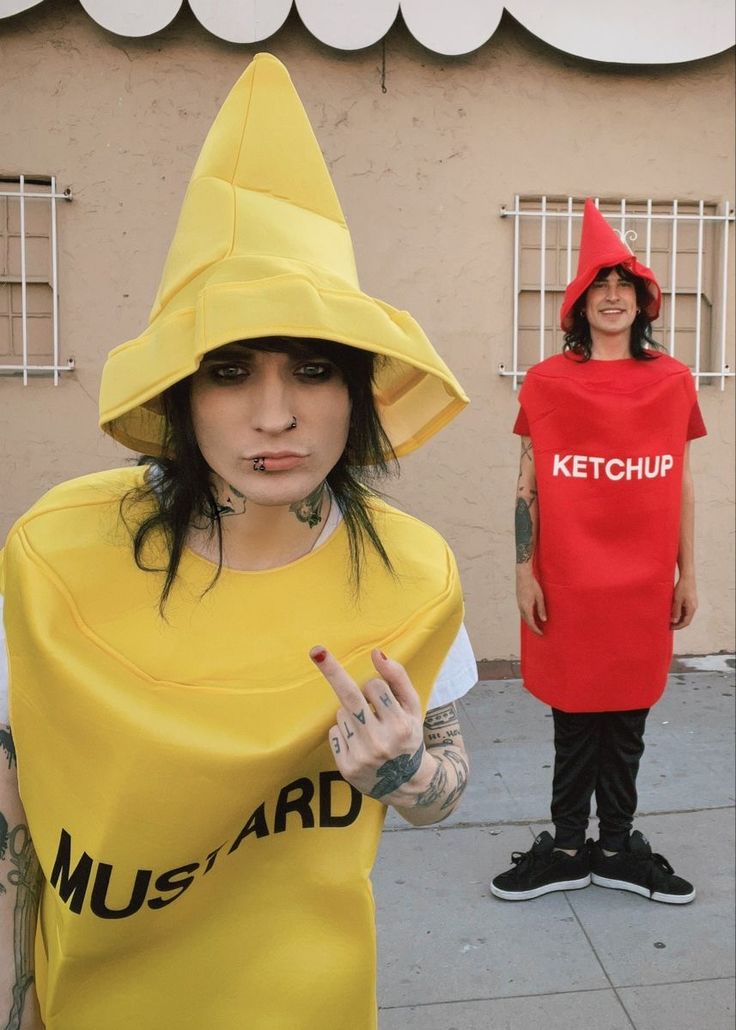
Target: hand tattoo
x: 395, y: 772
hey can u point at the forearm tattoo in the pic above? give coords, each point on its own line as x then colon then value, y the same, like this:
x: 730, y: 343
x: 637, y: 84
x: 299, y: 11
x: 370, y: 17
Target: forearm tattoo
x: 526, y: 496
x: 442, y: 733
x: 441, y: 728
x: 459, y: 763
x: 524, y: 531
x: 8, y: 746
x: 436, y: 789
x: 16, y: 847
x: 396, y: 772
x: 309, y: 510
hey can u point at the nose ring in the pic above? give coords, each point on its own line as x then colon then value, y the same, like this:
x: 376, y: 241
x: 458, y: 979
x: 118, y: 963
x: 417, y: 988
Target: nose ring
x: 292, y: 424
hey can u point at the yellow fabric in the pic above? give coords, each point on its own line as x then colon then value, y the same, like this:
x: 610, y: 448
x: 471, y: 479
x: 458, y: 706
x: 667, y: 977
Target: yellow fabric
x: 262, y: 249
x: 150, y: 746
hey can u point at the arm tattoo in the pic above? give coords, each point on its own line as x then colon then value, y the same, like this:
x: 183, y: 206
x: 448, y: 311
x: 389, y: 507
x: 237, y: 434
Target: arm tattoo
x: 440, y: 717
x: 436, y: 789
x: 310, y: 509
x: 526, y: 451
x: 395, y: 772
x: 456, y: 759
x: 26, y: 878
x: 441, y: 727
x: 524, y: 531
x: 434, y: 739
x: 7, y: 745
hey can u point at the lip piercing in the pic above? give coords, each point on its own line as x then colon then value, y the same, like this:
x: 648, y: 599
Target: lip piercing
x: 259, y: 465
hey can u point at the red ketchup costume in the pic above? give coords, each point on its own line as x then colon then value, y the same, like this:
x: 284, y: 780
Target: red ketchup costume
x: 609, y: 441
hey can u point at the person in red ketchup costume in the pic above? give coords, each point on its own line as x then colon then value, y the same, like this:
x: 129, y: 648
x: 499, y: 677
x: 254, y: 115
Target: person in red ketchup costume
x: 605, y: 565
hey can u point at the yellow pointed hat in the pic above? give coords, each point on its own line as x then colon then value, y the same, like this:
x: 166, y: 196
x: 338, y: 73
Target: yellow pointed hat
x: 262, y: 249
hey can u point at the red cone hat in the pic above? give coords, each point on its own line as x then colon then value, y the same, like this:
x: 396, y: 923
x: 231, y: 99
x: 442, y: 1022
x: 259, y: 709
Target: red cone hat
x: 602, y: 247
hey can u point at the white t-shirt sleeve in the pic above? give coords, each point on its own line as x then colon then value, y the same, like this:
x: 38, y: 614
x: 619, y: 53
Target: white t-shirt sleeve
x: 4, y: 712
x: 458, y: 674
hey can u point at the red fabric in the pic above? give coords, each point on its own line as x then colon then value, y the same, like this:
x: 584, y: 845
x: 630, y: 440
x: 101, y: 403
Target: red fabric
x: 696, y: 425
x: 601, y: 247
x: 521, y: 426
x: 609, y: 439
x: 695, y: 429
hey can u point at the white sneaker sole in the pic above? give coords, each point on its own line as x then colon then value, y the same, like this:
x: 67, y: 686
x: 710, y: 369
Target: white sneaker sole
x: 548, y: 888
x: 635, y: 888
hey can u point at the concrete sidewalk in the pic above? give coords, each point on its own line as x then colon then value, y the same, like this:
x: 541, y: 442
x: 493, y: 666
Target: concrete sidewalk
x: 452, y: 957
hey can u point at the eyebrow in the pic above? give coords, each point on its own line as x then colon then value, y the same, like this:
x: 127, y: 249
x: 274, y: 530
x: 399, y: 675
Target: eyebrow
x: 239, y: 350
x: 229, y: 351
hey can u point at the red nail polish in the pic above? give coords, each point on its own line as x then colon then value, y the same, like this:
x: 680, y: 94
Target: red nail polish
x: 319, y: 656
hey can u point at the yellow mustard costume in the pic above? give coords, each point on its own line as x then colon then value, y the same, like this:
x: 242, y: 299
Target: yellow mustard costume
x: 205, y: 863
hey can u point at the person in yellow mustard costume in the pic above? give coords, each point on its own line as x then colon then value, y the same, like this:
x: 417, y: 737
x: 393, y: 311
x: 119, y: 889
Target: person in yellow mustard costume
x: 226, y: 661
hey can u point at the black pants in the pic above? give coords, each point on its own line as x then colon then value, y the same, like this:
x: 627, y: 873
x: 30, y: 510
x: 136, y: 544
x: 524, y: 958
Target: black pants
x: 596, y: 752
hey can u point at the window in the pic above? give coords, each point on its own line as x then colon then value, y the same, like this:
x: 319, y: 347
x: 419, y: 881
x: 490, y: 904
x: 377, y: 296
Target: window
x: 684, y: 243
x: 29, y: 294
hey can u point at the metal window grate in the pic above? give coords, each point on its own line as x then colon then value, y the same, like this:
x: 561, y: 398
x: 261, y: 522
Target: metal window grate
x: 685, y: 243
x: 29, y: 282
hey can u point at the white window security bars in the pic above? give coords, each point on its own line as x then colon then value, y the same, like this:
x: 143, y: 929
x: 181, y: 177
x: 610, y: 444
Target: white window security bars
x: 686, y: 243
x: 29, y: 282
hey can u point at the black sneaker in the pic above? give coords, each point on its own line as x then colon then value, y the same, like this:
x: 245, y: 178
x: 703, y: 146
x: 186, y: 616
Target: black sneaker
x: 541, y: 871
x: 640, y: 870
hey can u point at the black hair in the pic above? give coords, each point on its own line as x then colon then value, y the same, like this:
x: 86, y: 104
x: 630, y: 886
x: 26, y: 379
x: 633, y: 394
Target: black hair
x: 641, y: 342
x: 177, y: 490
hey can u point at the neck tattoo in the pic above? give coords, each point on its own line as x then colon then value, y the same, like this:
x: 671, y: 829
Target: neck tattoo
x: 309, y: 510
x: 229, y: 501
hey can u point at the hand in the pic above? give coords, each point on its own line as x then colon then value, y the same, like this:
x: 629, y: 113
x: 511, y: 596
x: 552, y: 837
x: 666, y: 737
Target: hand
x: 377, y: 739
x: 684, y: 602
x: 530, y: 598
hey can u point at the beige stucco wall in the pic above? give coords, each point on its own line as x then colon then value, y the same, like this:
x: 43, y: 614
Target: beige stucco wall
x: 422, y: 171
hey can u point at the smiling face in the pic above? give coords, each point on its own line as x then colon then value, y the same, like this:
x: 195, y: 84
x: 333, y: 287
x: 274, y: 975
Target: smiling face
x: 244, y: 402
x: 610, y: 303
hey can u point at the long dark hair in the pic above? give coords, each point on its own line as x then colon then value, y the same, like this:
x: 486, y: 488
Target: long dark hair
x: 177, y: 490
x: 641, y: 342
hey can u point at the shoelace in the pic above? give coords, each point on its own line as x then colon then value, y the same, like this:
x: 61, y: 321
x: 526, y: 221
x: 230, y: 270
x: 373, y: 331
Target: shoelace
x: 658, y: 864
x: 524, y: 859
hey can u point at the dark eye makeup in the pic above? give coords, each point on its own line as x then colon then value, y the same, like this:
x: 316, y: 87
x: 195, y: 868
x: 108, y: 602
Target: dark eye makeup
x: 226, y: 371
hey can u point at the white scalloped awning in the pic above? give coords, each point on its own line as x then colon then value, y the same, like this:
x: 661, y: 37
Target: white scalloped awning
x: 627, y: 32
